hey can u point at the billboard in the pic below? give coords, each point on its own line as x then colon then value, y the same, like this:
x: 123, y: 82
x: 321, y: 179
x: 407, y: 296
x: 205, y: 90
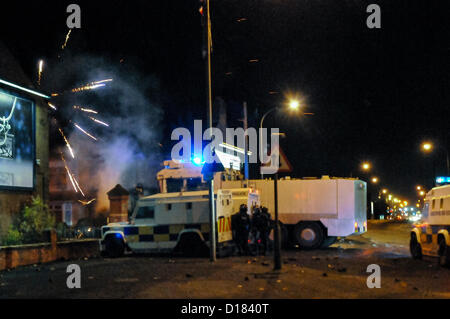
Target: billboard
x: 17, y: 153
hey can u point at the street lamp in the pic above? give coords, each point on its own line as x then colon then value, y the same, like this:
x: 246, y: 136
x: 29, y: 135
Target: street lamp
x: 374, y: 180
x: 294, y: 105
x: 427, y: 147
x: 365, y: 166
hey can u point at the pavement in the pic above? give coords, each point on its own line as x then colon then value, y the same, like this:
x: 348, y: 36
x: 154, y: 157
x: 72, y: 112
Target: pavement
x: 337, y: 272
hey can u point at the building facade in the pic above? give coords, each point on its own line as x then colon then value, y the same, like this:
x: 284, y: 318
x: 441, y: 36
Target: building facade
x: 24, y: 140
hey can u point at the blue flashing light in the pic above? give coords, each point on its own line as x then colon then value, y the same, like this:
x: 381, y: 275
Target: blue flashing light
x: 442, y: 179
x: 118, y: 235
x: 197, y: 161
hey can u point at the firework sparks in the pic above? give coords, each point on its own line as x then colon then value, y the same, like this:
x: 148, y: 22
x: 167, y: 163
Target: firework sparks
x: 67, y: 39
x: 98, y: 121
x: 87, y: 202
x: 69, y: 173
x: 78, y: 186
x: 52, y: 106
x: 84, y: 109
x: 67, y: 142
x: 72, y: 178
x: 103, y: 81
x: 78, y: 127
x: 91, y: 86
x: 41, y: 64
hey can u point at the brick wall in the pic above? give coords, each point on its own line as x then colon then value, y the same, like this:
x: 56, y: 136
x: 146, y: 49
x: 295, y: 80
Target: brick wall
x: 15, y: 256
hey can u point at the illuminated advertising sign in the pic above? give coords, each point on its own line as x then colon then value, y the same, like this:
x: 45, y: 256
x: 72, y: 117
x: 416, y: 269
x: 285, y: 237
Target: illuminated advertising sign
x: 16, y: 141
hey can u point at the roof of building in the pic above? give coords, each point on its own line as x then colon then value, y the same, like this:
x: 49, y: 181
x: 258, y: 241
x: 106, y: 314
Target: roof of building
x: 118, y: 190
x: 11, y: 70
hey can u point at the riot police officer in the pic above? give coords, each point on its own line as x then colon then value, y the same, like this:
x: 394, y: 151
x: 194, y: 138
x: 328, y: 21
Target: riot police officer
x: 261, y: 223
x: 240, y: 223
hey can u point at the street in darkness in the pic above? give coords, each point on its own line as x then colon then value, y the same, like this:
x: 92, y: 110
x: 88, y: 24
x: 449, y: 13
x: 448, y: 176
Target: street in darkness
x: 235, y: 150
x: 337, y: 272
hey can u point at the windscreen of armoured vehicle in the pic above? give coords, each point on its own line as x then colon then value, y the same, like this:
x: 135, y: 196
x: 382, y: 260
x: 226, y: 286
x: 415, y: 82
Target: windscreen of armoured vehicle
x: 145, y: 212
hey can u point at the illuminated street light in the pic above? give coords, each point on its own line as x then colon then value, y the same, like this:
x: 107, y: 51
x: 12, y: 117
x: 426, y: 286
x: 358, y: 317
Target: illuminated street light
x: 384, y: 191
x: 365, y: 166
x: 294, y: 105
x: 422, y: 193
x: 419, y: 188
x: 374, y: 180
x: 427, y: 147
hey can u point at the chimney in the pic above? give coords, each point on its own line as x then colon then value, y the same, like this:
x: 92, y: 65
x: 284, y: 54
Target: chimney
x: 118, y: 204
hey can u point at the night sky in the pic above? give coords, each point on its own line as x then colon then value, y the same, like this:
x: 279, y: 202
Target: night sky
x: 376, y: 93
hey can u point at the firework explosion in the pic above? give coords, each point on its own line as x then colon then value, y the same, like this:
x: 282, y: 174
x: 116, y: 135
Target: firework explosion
x: 84, y: 109
x: 41, y: 64
x: 67, y: 39
x: 87, y: 111
x: 67, y: 142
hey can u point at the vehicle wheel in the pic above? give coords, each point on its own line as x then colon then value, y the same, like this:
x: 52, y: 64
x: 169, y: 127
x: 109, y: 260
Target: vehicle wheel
x: 444, y: 253
x: 114, y: 247
x: 309, y: 235
x: 414, y: 247
x: 191, y: 245
x: 328, y: 241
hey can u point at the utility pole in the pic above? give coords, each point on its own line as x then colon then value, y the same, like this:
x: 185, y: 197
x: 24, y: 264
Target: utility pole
x: 276, y: 235
x: 245, y: 142
x: 207, y: 46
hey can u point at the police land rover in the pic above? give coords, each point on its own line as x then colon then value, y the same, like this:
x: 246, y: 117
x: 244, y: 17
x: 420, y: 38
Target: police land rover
x: 177, y: 222
x: 431, y: 237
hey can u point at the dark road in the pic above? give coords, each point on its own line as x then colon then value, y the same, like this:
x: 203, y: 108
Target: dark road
x: 337, y: 272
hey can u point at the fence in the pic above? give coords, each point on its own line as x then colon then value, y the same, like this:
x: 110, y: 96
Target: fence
x: 21, y: 255
x: 78, y: 232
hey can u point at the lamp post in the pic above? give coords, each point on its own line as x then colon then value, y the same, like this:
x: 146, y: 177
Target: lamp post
x: 294, y: 105
x: 206, y: 21
x: 427, y: 148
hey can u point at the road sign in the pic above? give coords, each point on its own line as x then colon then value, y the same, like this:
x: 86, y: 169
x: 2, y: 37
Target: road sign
x: 284, y: 164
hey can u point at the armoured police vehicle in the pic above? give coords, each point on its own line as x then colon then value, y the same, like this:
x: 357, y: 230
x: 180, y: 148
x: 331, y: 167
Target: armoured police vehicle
x: 431, y: 236
x: 313, y: 211
x: 177, y: 222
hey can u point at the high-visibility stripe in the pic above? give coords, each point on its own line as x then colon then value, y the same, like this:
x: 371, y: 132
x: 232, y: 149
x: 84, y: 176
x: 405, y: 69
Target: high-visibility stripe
x: 158, y: 233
